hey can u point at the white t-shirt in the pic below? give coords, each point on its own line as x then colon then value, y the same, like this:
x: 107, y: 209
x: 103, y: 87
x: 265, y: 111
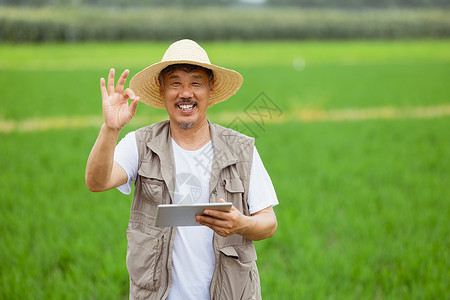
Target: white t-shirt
x: 193, y: 254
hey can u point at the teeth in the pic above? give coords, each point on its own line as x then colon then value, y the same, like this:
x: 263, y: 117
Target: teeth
x: 186, y: 107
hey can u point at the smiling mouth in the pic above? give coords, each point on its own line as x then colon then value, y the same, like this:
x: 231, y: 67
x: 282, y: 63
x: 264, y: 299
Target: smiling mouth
x: 186, y: 107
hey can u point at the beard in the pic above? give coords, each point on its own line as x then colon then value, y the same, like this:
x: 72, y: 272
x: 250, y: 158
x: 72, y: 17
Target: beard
x: 186, y: 125
x: 187, y: 101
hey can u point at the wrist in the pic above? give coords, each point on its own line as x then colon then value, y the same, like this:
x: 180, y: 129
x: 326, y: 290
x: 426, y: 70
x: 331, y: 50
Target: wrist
x: 115, y: 131
x: 245, y: 225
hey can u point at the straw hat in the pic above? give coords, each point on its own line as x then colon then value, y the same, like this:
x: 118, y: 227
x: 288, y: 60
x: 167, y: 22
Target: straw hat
x: 145, y: 84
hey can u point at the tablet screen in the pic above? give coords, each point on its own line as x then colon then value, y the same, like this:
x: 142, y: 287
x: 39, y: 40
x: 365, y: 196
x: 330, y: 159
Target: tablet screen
x: 170, y: 215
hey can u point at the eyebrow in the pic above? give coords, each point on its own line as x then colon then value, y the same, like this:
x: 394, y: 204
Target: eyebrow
x: 175, y: 76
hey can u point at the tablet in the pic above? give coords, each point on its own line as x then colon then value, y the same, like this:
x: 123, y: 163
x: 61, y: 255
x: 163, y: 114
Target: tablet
x: 170, y: 215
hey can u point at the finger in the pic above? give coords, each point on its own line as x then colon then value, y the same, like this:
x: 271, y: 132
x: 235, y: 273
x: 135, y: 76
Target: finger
x: 217, y: 214
x: 133, y: 106
x: 103, y: 88
x: 128, y: 93
x: 219, y: 230
x: 122, y: 80
x: 208, y: 212
x: 209, y: 221
x: 201, y: 219
x: 111, y: 81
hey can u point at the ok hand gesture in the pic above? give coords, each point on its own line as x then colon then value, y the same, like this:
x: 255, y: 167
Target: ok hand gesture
x: 116, y: 111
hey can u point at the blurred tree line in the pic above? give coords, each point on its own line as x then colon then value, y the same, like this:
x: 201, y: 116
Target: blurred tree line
x: 355, y: 4
x: 88, y: 20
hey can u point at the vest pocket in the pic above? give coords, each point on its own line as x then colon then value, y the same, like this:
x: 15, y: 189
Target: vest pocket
x: 239, y: 275
x: 144, y: 258
x: 235, y: 190
x: 152, y: 183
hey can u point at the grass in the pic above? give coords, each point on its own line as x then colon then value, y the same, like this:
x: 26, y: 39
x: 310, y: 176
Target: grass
x: 58, y: 239
x: 364, y: 210
x: 368, y: 208
x: 64, y: 79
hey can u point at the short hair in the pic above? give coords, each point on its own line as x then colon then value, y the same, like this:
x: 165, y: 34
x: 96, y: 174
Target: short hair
x: 188, y: 68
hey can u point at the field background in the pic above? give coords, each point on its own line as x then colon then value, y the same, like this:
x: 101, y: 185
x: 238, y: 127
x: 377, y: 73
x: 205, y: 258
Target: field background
x: 206, y: 22
x: 364, y: 199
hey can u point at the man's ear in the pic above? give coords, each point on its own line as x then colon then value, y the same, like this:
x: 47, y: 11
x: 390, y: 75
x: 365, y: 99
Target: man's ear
x: 160, y: 90
x: 211, y: 88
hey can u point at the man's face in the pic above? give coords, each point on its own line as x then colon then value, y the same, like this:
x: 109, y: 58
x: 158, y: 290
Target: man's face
x: 186, y: 96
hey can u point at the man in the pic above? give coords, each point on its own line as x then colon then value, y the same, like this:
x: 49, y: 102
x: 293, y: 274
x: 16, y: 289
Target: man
x: 184, y: 160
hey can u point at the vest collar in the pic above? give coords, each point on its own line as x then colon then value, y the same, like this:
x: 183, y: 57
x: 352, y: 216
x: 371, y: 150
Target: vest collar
x: 161, y: 144
x: 223, y: 155
x: 162, y: 141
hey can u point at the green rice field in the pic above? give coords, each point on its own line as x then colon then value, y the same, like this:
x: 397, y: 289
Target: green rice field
x: 357, y: 145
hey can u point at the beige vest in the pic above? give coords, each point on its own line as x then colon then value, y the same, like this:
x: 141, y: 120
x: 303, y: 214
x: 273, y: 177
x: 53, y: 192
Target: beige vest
x: 149, y: 251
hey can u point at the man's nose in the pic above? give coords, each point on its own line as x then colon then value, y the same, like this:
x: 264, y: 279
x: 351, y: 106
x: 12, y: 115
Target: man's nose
x: 186, y: 92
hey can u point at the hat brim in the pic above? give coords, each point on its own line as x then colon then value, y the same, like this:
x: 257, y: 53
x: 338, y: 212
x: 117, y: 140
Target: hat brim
x: 145, y: 84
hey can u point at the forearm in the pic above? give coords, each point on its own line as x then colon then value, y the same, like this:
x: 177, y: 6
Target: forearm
x: 259, y: 226
x: 100, y: 163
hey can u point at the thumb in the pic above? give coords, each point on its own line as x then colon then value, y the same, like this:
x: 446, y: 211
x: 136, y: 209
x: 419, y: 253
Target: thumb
x: 221, y: 200
x: 133, y: 106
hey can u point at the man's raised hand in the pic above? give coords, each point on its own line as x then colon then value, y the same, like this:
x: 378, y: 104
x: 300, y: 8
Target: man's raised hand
x: 116, y: 111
